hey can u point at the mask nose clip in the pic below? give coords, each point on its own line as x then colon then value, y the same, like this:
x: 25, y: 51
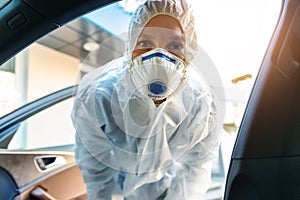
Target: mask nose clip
x: 157, y: 87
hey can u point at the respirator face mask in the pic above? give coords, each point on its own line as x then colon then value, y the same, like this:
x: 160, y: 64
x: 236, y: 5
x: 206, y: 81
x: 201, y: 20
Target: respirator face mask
x: 157, y: 74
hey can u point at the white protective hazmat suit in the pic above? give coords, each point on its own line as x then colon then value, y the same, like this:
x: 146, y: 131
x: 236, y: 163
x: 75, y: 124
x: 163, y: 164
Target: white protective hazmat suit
x: 129, y: 148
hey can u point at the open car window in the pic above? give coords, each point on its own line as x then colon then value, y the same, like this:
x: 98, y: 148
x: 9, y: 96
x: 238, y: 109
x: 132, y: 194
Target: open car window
x: 234, y: 34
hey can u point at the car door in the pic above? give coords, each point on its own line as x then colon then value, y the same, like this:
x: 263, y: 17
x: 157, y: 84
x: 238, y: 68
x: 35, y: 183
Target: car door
x: 44, y: 167
x: 266, y: 158
x: 40, y: 169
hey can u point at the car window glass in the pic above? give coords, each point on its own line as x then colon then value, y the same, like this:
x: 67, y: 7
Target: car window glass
x: 49, y: 129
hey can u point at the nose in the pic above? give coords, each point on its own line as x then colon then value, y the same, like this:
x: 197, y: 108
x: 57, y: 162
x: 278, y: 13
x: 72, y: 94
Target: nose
x: 137, y: 52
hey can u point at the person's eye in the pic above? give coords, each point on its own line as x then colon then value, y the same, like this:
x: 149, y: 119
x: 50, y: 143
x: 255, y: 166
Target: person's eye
x: 144, y: 44
x: 175, y: 46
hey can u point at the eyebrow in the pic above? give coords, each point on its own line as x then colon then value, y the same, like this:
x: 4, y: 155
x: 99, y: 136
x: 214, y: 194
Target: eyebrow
x: 178, y: 37
x: 145, y: 36
x: 174, y: 37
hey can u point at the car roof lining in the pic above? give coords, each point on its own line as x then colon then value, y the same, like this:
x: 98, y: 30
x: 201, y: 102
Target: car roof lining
x: 32, y: 20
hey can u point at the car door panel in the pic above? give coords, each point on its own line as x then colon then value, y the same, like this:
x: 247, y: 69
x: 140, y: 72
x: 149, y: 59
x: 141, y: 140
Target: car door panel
x: 52, y: 169
x: 67, y: 184
x: 16, y: 163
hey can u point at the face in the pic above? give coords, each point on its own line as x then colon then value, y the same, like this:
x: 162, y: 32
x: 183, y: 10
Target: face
x: 162, y: 31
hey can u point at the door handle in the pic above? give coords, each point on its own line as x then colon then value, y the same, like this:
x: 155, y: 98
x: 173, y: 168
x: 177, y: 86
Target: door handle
x: 44, y: 163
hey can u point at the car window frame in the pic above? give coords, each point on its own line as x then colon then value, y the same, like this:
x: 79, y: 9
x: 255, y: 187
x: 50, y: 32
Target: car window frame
x: 10, y: 123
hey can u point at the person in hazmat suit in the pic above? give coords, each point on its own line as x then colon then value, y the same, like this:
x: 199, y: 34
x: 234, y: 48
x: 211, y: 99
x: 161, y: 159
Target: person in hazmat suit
x: 146, y: 127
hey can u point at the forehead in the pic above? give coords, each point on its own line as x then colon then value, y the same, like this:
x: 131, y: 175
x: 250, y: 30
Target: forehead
x: 164, y: 22
x: 161, y: 34
x: 163, y: 28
